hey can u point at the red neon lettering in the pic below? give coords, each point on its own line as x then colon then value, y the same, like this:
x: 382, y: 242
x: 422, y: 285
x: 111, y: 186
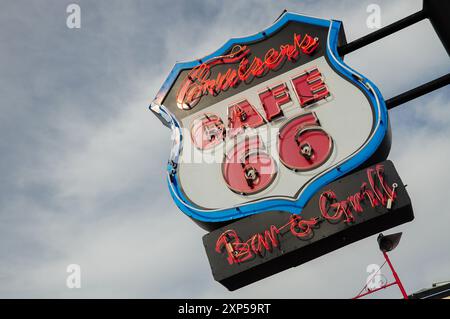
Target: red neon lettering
x: 273, y: 98
x: 310, y: 87
x: 243, y: 115
x: 302, y: 228
x: 375, y: 195
x: 327, y: 202
x: 198, y: 82
x: 238, y: 251
x: 268, y: 240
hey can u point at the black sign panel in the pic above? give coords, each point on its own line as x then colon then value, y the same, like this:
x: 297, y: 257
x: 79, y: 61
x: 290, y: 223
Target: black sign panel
x: 349, y: 209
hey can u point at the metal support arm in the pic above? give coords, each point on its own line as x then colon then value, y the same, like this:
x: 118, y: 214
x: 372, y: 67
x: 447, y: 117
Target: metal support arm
x: 438, y: 13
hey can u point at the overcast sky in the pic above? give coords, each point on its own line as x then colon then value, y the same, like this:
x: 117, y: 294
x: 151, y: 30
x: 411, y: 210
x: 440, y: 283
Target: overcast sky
x: 82, y: 159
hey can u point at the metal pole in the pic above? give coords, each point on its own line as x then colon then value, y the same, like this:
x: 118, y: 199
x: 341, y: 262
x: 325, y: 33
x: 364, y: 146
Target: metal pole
x: 418, y: 91
x: 381, y: 33
x: 397, y: 278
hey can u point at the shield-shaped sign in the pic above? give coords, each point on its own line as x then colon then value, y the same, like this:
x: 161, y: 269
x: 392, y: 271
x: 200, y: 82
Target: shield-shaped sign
x: 267, y: 120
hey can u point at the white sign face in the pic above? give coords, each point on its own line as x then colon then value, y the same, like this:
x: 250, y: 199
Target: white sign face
x: 345, y: 115
x: 264, y: 122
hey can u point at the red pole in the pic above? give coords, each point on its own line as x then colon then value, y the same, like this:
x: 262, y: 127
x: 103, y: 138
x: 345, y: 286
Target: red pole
x: 397, y: 279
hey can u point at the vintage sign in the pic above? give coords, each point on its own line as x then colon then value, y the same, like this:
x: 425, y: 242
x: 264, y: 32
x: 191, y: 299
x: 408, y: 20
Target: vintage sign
x: 349, y: 209
x: 266, y: 121
x: 268, y: 132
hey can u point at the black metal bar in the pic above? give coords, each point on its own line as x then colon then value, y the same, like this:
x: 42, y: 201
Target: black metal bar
x: 284, y: 11
x: 381, y: 33
x: 438, y: 13
x: 418, y: 91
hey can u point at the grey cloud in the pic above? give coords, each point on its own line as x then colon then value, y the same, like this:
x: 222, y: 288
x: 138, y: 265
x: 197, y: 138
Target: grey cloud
x: 82, y: 164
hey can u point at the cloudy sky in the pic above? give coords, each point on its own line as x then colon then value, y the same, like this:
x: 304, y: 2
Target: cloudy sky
x: 82, y: 159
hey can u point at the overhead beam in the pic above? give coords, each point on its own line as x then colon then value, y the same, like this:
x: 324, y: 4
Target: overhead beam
x: 418, y: 91
x: 381, y: 33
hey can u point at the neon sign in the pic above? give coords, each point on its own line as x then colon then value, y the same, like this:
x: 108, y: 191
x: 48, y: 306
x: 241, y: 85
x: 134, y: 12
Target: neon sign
x: 281, y: 125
